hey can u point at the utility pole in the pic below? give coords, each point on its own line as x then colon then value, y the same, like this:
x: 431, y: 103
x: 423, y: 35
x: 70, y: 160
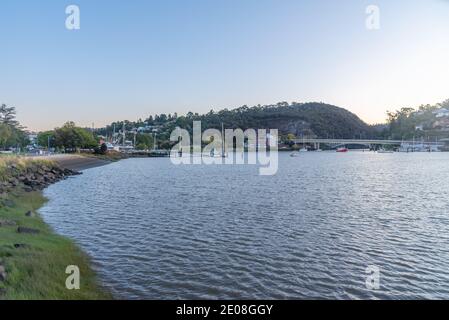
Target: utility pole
x: 154, y: 141
x: 124, y: 134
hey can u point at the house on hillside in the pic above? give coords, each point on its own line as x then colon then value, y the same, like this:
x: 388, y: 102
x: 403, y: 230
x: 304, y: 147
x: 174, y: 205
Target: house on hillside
x: 441, y: 113
x: 442, y: 124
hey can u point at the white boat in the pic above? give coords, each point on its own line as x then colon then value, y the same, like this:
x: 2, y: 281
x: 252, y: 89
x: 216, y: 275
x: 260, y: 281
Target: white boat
x: 384, y: 151
x: 294, y: 154
x: 215, y: 154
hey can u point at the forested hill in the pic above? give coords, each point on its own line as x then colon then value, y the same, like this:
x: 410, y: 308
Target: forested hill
x: 308, y: 119
x: 298, y: 119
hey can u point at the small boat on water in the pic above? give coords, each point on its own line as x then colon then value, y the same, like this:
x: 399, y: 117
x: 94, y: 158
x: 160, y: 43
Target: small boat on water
x: 384, y: 151
x: 294, y: 154
x: 342, y: 149
x: 298, y: 153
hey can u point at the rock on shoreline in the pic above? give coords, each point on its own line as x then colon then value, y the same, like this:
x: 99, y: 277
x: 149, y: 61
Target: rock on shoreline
x: 34, y: 177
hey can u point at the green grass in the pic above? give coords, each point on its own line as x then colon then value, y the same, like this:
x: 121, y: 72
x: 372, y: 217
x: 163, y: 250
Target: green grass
x: 38, y: 270
x: 21, y: 163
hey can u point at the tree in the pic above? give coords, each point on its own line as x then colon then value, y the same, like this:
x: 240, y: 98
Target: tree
x: 17, y: 138
x: 144, y: 141
x: 12, y: 133
x: 103, y: 149
x: 72, y: 137
x: 46, y: 138
x: 141, y: 146
x: 444, y: 104
x: 8, y: 116
x: 5, y: 134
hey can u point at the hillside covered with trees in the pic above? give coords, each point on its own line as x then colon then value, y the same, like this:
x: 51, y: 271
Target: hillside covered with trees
x: 427, y: 122
x: 295, y: 119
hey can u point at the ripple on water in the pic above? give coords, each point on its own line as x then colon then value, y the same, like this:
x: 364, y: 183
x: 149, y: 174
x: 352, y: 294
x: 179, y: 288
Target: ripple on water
x: 157, y: 231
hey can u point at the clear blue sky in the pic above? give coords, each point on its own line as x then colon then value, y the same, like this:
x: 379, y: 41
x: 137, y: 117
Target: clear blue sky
x: 135, y: 58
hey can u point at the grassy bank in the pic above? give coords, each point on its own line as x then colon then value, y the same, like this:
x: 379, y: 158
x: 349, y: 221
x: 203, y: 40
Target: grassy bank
x: 20, y: 165
x: 35, y: 264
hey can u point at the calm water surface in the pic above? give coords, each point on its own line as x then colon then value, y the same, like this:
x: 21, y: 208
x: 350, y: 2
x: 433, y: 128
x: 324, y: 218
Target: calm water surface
x: 159, y: 231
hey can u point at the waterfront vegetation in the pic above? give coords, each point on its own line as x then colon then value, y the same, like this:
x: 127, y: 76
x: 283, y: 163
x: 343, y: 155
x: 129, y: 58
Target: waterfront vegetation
x: 68, y: 138
x: 11, y: 133
x: 426, y: 121
x: 34, y: 263
x: 293, y: 120
x: 298, y: 119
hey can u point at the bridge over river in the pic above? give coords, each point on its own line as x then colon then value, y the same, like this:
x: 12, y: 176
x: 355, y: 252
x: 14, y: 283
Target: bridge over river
x: 366, y: 142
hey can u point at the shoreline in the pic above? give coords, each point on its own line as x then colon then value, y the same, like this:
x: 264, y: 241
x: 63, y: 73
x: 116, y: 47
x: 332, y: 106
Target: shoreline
x: 75, y: 162
x: 33, y: 257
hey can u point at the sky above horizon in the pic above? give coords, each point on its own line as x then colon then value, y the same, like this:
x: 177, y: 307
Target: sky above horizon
x: 131, y: 59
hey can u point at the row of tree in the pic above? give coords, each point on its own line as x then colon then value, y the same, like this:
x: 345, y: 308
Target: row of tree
x: 297, y: 119
x: 68, y: 138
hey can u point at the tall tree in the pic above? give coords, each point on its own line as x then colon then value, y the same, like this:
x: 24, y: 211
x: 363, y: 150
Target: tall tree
x: 8, y: 116
x: 11, y: 133
x: 72, y: 137
x: 5, y: 135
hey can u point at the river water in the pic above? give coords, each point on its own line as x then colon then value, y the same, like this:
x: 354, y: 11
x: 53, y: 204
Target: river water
x: 159, y: 231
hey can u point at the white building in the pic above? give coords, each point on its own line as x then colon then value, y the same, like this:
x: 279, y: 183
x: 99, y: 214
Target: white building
x: 418, y: 147
x: 440, y: 113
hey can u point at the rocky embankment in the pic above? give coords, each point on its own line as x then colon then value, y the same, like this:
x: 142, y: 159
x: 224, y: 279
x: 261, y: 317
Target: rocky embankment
x: 32, y: 176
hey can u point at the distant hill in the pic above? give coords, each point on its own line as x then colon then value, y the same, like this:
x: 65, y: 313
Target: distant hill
x: 308, y: 119
x: 300, y: 119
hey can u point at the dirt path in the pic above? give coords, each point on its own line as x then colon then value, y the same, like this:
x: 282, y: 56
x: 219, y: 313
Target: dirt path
x: 75, y: 162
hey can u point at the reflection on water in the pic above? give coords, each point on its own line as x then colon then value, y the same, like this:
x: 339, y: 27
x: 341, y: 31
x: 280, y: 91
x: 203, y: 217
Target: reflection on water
x: 158, y: 231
